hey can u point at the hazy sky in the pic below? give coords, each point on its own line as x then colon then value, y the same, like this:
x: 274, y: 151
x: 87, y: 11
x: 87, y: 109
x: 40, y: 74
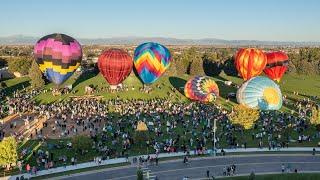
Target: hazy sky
x: 285, y: 20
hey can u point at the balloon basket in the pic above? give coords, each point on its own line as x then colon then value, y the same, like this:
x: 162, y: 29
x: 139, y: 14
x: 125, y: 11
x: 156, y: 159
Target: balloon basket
x: 113, y: 87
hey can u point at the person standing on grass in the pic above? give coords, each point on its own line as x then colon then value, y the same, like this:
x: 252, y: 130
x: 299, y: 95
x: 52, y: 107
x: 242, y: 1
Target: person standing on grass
x: 28, y: 168
x: 72, y: 161
x: 19, y: 164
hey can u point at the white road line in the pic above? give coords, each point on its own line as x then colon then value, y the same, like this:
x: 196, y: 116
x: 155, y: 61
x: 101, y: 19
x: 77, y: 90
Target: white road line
x: 202, y: 167
x: 178, y: 160
x: 241, y: 164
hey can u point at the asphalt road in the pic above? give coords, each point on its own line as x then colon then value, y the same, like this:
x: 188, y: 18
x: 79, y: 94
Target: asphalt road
x: 197, y: 168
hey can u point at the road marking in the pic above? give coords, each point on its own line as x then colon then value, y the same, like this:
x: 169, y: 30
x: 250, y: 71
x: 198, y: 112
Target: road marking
x: 264, y: 173
x: 193, y: 159
x: 238, y: 156
x: 241, y: 164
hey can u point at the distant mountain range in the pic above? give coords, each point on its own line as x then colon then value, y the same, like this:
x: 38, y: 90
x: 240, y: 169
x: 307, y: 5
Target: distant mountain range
x: 21, y: 39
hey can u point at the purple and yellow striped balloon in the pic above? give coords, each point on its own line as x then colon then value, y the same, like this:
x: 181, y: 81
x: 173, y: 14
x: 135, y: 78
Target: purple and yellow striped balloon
x: 58, y: 56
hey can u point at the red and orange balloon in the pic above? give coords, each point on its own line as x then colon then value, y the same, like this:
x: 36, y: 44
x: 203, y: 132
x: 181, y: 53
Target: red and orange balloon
x: 277, y: 64
x: 250, y: 62
x: 115, y: 65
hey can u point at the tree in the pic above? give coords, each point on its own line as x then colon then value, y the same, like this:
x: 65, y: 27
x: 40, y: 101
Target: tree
x: 8, y: 151
x: 185, y: 60
x: 172, y: 70
x: 196, y: 66
x: 244, y: 116
x: 3, y: 85
x: 81, y: 143
x: 20, y: 64
x: 211, y: 66
x: 315, y: 116
x: 229, y: 67
x: 3, y: 63
x: 35, y: 75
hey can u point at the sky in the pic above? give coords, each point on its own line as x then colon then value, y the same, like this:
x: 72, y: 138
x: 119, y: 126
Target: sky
x: 280, y: 20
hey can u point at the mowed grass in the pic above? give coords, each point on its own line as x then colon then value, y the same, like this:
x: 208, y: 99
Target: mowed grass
x: 292, y: 176
x: 98, y: 82
x: 307, y: 86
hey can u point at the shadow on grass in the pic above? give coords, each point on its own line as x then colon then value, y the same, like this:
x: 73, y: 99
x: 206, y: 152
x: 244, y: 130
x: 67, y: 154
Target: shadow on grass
x: 8, y: 91
x: 137, y: 75
x: 178, y: 83
x: 225, y: 89
x: 86, y: 75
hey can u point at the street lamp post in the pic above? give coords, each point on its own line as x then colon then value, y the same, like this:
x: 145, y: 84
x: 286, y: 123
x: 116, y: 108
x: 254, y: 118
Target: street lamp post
x: 214, y: 137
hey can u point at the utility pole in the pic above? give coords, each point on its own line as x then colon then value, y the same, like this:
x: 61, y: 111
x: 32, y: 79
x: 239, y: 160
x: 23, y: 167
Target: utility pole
x: 214, y: 137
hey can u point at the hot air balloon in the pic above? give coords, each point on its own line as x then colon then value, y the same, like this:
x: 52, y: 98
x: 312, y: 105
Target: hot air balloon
x: 201, y: 88
x: 58, y: 56
x: 151, y: 60
x: 277, y: 64
x: 250, y: 62
x: 115, y: 65
x: 261, y: 93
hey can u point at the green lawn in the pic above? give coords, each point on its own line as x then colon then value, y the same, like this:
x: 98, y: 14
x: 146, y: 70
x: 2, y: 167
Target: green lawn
x: 306, y: 86
x: 292, y: 176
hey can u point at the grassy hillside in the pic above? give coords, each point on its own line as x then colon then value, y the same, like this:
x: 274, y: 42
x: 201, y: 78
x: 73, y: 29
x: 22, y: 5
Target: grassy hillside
x: 307, y: 86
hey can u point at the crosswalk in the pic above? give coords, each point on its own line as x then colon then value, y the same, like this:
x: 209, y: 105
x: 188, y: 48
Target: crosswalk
x: 147, y: 174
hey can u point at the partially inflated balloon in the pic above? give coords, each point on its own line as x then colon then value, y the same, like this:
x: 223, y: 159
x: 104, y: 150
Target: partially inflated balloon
x: 58, y: 56
x: 151, y: 60
x: 277, y: 65
x: 250, y: 62
x: 201, y: 88
x: 115, y: 65
x: 260, y: 92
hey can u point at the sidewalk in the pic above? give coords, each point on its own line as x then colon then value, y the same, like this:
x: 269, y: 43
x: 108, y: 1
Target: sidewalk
x: 161, y: 155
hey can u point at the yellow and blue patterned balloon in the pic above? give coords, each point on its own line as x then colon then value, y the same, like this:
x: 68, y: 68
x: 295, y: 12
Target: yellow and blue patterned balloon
x: 260, y: 93
x: 58, y: 56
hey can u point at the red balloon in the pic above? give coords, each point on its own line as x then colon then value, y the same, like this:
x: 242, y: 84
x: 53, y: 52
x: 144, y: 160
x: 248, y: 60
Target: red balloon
x: 277, y: 64
x: 115, y: 65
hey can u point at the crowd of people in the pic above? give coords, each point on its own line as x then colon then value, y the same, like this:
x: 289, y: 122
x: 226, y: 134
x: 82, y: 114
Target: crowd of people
x: 172, y: 126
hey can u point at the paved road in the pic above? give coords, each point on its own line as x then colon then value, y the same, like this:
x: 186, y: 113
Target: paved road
x: 175, y: 169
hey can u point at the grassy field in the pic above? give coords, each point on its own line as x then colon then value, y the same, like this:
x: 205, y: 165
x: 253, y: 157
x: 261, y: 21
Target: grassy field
x: 292, y: 176
x: 307, y: 86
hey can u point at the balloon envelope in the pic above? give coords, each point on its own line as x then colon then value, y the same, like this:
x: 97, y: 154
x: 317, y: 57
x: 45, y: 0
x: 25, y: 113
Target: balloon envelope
x: 260, y: 92
x: 58, y: 56
x: 277, y: 64
x: 201, y: 88
x: 151, y: 60
x: 115, y: 65
x: 250, y: 62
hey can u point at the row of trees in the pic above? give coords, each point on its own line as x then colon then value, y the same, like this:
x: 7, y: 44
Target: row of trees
x: 193, y: 61
x: 307, y: 61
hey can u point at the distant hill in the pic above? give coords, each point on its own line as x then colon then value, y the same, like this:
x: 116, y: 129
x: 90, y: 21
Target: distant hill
x: 21, y: 39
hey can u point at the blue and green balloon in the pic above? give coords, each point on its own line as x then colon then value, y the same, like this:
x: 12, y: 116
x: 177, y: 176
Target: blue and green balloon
x: 260, y: 93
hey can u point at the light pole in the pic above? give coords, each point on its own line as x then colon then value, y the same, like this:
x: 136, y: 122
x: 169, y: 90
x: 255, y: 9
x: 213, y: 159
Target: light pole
x: 214, y: 137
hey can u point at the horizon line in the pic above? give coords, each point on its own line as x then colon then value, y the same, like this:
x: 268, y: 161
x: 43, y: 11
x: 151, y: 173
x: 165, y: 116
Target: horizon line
x: 168, y: 37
